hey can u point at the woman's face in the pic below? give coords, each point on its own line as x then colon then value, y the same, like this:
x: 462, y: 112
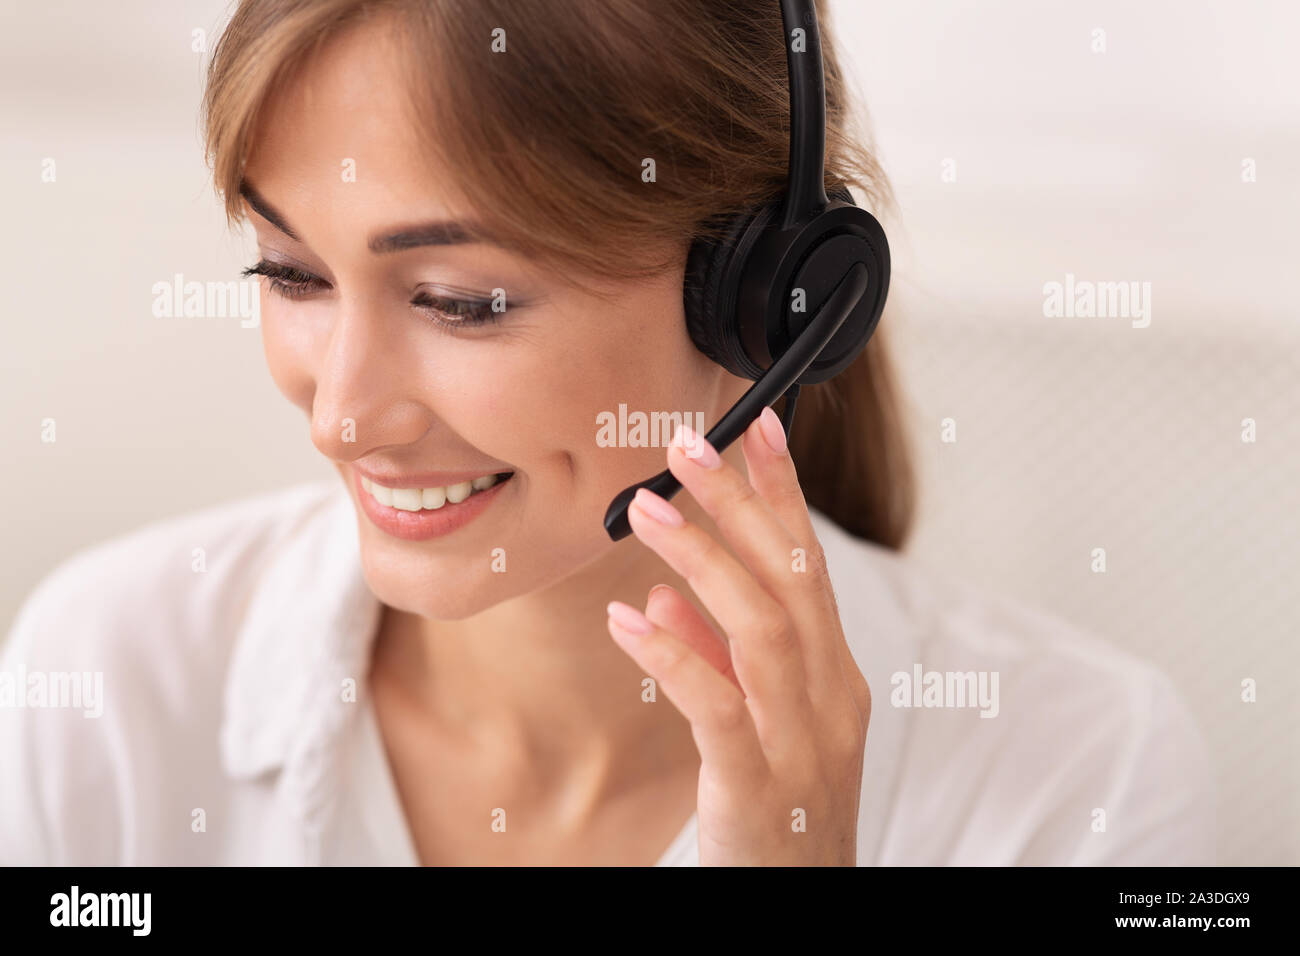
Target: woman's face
x: 361, y: 334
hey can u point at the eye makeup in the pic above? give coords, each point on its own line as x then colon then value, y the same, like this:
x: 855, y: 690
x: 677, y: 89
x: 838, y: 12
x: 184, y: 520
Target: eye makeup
x: 450, y: 312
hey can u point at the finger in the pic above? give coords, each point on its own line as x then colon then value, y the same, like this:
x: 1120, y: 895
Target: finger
x: 720, y: 721
x: 775, y: 478
x: 772, y: 473
x: 675, y: 614
x: 784, y: 566
x: 760, y: 635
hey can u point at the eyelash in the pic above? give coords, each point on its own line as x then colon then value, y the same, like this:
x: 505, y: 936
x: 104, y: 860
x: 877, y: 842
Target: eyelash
x: 295, y: 284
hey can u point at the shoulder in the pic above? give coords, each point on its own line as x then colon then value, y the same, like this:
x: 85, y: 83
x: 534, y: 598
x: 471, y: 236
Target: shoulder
x: 186, y: 575
x: 115, y: 664
x: 1050, y: 744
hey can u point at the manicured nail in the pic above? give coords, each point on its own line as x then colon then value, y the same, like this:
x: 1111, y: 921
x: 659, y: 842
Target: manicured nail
x: 628, y: 618
x: 658, y: 508
x: 772, y: 431
x: 696, y: 447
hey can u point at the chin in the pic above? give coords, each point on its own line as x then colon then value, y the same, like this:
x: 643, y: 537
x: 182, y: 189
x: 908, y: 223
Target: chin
x: 460, y: 582
x: 428, y: 587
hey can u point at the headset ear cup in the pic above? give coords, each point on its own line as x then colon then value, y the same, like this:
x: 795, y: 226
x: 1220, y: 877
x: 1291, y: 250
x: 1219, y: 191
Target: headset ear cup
x: 707, y: 264
x: 703, y: 275
x: 714, y: 269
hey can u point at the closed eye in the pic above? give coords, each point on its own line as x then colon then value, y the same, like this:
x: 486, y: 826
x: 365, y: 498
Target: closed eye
x: 286, y: 280
x: 447, y: 312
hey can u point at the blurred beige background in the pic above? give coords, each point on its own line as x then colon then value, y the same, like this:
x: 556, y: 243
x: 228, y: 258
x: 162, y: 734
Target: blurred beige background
x: 1019, y: 154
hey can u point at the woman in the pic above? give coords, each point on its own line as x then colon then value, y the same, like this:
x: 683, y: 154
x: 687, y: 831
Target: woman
x: 472, y: 222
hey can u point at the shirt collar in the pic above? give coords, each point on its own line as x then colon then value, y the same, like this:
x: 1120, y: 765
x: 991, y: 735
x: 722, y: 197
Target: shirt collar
x: 308, y: 629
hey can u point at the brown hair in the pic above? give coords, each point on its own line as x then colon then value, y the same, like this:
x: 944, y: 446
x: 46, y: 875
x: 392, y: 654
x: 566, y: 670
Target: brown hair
x: 548, y: 150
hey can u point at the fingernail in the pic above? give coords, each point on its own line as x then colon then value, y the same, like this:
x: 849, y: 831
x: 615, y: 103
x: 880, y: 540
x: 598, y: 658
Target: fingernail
x: 658, y: 508
x: 772, y: 431
x: 696, y: 447
x: 628, y: 618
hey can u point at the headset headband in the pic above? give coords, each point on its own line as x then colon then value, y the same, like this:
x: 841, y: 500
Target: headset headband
x: 805, y: 188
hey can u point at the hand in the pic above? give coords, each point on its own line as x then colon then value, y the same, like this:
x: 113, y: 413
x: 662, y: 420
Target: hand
x: 779, y: 710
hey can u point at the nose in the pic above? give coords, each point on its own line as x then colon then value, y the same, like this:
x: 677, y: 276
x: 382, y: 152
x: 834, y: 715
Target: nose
x: 364, y: 397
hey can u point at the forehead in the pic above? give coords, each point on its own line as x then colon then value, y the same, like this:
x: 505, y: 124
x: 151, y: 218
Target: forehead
x: 340, y: 129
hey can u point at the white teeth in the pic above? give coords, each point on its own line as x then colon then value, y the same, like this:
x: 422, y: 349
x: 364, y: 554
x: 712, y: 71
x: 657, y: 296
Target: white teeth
x: 426, y: 499
x: 408, y: 499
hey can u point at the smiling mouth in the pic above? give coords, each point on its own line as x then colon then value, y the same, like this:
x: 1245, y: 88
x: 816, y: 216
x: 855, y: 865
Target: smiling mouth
x: 432, y: 499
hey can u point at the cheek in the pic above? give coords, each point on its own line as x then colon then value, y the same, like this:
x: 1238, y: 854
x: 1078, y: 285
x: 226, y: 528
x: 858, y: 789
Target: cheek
x: 512, y: 400
x: 290, y: 350
x: 544, y: 401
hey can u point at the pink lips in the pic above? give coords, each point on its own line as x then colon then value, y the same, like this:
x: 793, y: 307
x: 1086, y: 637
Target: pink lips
x: 424, y: 525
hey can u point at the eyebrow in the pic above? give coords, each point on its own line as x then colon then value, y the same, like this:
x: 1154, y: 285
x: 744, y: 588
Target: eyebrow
x: 412, y: 237
x: 265, y: 209
x: 426, y: 234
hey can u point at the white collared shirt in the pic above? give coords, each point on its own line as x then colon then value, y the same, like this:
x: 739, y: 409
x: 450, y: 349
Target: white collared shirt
x: 226, y: 640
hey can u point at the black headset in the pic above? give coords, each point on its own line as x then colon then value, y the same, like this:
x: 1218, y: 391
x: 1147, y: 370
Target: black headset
x: 741, y: 292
